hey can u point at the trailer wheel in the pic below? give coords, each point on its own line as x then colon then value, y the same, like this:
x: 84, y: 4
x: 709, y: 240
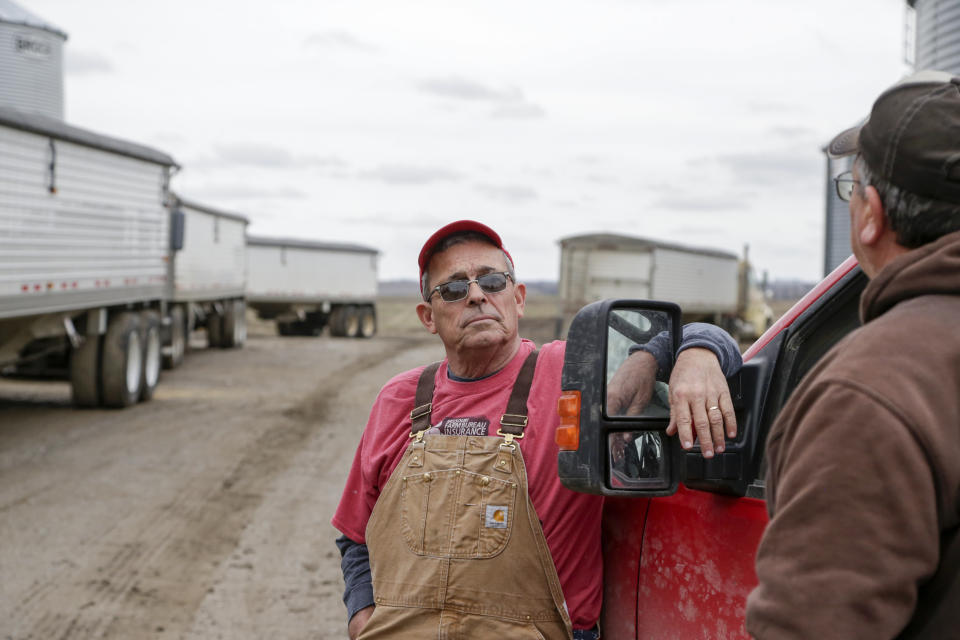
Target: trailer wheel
x: 240, y: 327
x: 234, y: 324
x: 368, y: 321
x: 152, y: 353
x: 351, y: 322
x: 122, y: 369
x: 336, y: 321
x: 214, y: 330
x: 85, y: 373
x: 285, y: 328
x: 173, y: 356
x: 228, y: 327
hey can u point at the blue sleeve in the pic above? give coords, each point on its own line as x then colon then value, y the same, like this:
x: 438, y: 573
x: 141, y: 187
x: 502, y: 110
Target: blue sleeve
x: 695, y: 334
x: 355, y: 564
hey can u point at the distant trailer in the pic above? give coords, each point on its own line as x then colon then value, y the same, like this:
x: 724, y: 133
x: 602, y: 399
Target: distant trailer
x: 85, y: 266
x: 306, y: 286
x: 704, y: 282
x: 209, y: 278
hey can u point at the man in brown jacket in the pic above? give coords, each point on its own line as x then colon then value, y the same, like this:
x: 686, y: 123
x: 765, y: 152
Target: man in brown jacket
x: 863, y: 464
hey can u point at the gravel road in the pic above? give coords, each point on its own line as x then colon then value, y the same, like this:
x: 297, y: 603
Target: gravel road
x: 201, y: 514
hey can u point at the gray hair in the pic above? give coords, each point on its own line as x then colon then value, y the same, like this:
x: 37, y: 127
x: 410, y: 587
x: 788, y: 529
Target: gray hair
x: 917, y: 220
x: 461, y: 238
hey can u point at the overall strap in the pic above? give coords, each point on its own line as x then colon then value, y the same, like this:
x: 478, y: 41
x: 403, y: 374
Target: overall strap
x: 514, y: 421
x: 423, y: 404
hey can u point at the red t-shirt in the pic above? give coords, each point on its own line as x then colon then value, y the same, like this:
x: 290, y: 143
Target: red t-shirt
x: 571, y: 520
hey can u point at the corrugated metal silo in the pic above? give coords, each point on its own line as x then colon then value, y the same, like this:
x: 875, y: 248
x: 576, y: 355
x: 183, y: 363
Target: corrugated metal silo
x: 837, y: 228
x: 31, y: 62
x: 937, y: 39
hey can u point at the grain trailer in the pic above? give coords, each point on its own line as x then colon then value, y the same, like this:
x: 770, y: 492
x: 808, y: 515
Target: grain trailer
x: 306, y: 285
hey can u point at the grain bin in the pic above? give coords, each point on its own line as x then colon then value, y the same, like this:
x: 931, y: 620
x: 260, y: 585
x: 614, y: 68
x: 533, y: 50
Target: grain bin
x: 937, y: 38
x: 31, y: 62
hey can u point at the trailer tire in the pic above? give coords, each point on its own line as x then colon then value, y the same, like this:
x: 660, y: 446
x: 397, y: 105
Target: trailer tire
x: 122, y: 367
x: 240, y: 326
x: 178, y: 339
x: 368, y: 321
x: 228, y: 326
x: 285, y: 328
x: 336, y: 321
x: 152, y: 353
x: 214, y: 325
x: 85, y: 373
x: 351, y: 322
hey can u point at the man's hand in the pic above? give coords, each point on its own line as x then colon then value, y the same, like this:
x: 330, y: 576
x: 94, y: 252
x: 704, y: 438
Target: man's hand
x: 700, y: 399
x: 630, y: 388
x: 359, y: 621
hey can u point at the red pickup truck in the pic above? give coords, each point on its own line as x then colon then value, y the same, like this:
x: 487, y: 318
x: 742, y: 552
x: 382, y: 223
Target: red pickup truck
x: 680, y: 532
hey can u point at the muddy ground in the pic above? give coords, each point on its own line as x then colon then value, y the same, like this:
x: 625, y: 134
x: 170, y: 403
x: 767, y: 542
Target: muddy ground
x: 201, y: 514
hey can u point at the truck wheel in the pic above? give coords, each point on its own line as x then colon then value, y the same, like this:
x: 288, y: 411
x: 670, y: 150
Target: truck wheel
x: 240, y: 324
x: 85, y: 373
x: 173, y: 353
x: 122, y: 368
x: 214, y: 330
x: 152, y: 353
x: 351, y: 322
x: 336, y: 321
x: 285, y: 328
x: 368, y: 321
x: 228, y: 333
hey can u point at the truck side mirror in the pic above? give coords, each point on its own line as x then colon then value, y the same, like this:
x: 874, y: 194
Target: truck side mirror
x: 177, y: 220
x: 606, y: 447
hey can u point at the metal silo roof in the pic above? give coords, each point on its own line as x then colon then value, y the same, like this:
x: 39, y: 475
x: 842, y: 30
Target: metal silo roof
x: 15, y: 14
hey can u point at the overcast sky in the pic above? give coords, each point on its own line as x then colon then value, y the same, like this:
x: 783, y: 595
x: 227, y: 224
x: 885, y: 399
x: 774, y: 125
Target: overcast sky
x: 691, y: 121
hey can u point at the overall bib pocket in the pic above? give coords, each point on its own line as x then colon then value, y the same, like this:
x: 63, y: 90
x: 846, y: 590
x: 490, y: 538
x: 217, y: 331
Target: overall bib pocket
x: 456, y: 513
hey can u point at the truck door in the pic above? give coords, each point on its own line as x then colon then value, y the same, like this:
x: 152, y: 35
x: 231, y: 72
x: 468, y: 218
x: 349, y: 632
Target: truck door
x: 693, y: 551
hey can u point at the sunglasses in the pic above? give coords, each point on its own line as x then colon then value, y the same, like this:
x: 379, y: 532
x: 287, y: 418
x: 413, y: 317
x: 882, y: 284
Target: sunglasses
x: 458, y: 289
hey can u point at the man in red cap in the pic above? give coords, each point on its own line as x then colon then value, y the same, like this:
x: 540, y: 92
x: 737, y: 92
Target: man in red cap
x: 863, y: 478
x: 455, y: 523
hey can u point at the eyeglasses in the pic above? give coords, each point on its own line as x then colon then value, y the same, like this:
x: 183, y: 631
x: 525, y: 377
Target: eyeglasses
x: 844, y: 183
x: 458, y: 289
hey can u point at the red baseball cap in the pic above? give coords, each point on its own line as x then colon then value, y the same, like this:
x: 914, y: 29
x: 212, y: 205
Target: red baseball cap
x: 459, y: 226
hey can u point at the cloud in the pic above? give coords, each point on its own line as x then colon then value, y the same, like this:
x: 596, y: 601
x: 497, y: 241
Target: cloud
x: 462, y: 89
x: 409, y: 174
x: 83, y: 63
x: 263, y: 156
x: 772, y: 106
x: 588, y: 159
x: 514, y: 193
x: 599, y: 178
x: 702, y: 203
x: 507, y: 102
x: 337, y: 39
x: 779, y: 166
x: 244, y: 191
x: 792, y: 132
x: 524, y: 110
x: 754, y: 165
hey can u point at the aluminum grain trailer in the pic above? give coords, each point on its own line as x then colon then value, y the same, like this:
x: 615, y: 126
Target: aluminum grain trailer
x: 84, y: 257
x: 704, y: 282
x: 306, y: 285
x: 209, y: 278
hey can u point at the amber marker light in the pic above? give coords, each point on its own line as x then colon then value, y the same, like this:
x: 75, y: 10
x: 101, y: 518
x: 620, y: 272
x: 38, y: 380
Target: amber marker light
x: 568, y: 433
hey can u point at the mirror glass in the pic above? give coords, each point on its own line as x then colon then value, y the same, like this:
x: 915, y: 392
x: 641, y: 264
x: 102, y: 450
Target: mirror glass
x: 638, y: 460
x: 633, y: 387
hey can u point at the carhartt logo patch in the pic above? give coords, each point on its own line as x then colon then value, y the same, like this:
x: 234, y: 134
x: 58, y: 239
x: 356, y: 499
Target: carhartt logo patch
x: 477, y: 426
x: 496, y: 517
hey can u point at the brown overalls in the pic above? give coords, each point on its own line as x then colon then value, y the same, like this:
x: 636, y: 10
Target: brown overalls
x: 456, y: 548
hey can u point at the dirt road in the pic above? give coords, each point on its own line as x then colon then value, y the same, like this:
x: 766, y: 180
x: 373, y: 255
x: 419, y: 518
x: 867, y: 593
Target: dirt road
x: 202, y: 514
